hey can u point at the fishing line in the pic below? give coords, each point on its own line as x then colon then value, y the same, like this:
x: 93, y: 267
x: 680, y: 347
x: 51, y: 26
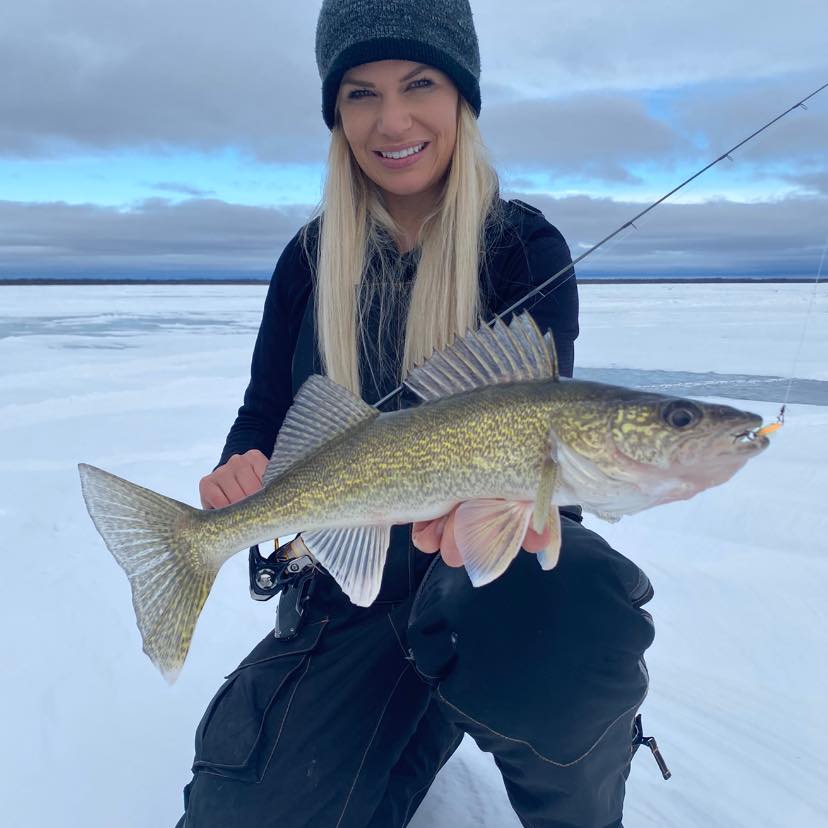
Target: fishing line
x: 631, y: 222
x: 780, y: 417
x: 805, y: 326
x: 628, y: 224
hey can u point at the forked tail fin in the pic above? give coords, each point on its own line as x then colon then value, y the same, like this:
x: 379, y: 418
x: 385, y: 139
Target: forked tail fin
x: 156, y: 542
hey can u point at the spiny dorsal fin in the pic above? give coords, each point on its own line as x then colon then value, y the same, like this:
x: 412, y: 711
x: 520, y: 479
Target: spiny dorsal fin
x: 487, y: 356
x: 321, y: 410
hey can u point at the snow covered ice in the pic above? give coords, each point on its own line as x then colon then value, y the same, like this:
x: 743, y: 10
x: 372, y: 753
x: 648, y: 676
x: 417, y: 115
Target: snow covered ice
x: 144, y: 381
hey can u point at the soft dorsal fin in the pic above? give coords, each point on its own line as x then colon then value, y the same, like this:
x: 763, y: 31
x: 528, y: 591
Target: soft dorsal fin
x: 487, y: 356
x: 321, y: 410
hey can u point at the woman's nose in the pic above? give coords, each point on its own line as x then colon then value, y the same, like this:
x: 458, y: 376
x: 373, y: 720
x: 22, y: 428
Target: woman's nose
x: 394, y: 117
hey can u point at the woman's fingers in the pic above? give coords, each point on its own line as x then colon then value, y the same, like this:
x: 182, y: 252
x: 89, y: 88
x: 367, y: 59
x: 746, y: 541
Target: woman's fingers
x: 427, y: 535
x: 238, y: 478
x: 433, y: 535
x: 448, y: 548
x: 258, y: 462
x: 248, y: 481
x: 212, y: 497
x: 230, y: 488
x: 437, y: 536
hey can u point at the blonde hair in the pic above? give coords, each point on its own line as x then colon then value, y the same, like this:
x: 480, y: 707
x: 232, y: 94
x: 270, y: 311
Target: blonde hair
x: 356, y: 229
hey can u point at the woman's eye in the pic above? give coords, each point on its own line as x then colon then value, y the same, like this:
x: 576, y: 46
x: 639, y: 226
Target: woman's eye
x: 356, y: 94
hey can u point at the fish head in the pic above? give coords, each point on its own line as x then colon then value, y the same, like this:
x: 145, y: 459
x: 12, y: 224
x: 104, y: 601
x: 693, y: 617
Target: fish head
x: 688, y: 444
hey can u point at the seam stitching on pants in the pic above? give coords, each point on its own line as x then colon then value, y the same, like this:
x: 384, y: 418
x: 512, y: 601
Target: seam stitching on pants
x: 287, y: 711
x: 370, y: 742
x: 530, y: 746
x: 450, y: 749
x: 396, y: 633
x: 278, y: 735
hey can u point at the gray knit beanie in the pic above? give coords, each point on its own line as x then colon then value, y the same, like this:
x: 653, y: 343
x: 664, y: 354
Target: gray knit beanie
x: 437, y: 32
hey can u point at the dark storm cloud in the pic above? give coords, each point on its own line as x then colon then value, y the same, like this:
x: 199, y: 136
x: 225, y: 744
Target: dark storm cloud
x: 98, y: 76
x: 717, y: 237
x: 559, y: 47
x: 731, y: 111
x: 197, y: 237
x: 203, y: 237
x: 103, y: 76
x: 595, y: 135
x: 816, y: 182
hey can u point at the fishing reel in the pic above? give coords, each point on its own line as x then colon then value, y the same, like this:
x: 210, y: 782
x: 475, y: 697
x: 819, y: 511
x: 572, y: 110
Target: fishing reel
x: 289, y: 570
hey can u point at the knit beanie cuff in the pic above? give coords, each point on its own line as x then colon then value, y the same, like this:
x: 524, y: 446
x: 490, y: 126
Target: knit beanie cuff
x: 393, y: 48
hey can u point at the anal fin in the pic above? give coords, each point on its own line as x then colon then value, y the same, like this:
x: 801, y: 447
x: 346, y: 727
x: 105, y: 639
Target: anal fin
x: 354, y: 557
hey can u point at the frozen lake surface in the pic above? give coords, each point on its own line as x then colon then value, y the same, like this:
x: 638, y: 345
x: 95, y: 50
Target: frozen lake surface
x: 145, y: 381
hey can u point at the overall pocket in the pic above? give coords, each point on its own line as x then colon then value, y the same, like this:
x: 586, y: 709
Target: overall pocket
x: 240, y: 729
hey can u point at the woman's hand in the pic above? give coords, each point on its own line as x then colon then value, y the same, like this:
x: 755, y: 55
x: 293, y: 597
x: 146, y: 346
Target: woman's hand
x: 239, y: 477
x: 438, y: 534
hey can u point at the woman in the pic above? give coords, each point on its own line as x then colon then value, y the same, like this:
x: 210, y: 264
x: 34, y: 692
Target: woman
x: 348, y: 722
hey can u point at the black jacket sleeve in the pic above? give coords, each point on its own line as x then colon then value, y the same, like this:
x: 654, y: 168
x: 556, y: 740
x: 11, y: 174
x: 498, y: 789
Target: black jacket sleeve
x: 541, y: 253
x: 269, y: 392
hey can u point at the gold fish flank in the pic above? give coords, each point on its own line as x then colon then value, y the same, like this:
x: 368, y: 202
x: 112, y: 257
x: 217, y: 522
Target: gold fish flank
x: 483, y: 444
x: 498, y: 432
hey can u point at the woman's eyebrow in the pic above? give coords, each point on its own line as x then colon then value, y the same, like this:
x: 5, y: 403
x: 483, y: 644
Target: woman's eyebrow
x: 357, y: 82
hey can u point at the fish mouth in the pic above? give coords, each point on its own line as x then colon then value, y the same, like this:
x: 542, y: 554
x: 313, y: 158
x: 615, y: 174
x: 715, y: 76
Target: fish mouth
x: 752, y: 438
x: 751, y: 435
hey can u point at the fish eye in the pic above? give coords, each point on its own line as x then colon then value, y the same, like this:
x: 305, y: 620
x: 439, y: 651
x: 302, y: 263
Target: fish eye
x: 681, y: 414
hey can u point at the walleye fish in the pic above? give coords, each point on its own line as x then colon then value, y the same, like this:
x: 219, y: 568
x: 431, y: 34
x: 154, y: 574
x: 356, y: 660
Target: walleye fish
x: 498, y: 432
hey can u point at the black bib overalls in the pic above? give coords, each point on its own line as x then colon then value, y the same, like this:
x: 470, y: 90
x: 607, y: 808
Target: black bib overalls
x: 346, y: 725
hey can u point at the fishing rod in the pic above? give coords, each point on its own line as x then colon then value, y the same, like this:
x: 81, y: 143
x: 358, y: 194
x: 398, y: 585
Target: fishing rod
x: 290, y: 569
x: 630, y: 223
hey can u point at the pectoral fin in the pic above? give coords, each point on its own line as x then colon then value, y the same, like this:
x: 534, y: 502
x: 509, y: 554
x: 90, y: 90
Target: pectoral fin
x: 548, y: 558
x: 543, y: 498
x: 354, y: 557
x: 489, y: 533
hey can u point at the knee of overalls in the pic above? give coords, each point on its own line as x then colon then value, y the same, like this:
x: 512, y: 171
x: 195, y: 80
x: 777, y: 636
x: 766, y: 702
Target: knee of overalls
x: 553, y: 657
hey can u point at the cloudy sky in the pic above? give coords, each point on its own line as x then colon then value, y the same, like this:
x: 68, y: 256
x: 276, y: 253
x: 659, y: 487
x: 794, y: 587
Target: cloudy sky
x: 186, y: 138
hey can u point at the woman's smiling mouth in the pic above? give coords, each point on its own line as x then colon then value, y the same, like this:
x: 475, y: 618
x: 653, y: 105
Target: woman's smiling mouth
x: 403, y: 157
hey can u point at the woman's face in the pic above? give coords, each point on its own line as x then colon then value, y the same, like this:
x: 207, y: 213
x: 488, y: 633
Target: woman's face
x: 392, y: 106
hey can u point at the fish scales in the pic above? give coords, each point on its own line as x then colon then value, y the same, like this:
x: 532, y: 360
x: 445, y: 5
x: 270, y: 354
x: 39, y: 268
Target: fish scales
x: 498, y: 435
x: 487, y: 443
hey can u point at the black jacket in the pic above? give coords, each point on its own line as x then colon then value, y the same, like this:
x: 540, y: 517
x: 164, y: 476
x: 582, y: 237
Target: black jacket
x: 525, y: 253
